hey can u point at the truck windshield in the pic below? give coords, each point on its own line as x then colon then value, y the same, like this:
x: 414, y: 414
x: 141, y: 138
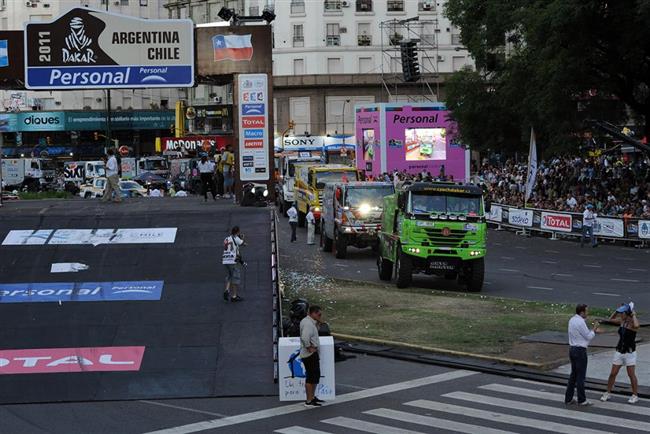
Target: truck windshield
x: 100, y: 170
x: 155, y: 164
x: 438, y: 204
x: 323, y: 178
x: 355, y: 197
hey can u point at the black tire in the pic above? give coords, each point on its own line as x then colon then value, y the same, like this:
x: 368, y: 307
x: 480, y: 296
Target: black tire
x: 474, y: 275
x: 375, y: 247
x: 451, y: 275
x: 403, y: 269
x: 385, y: 268
x: 340, y: 245
x: 301, y: 219
x: 88, y: 195
x: 317, y: 229
x: 326, y: 241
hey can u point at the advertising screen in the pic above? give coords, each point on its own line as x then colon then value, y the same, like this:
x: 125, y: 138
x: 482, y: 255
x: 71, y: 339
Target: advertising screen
x: 425, y: 144
x: 368, y: 144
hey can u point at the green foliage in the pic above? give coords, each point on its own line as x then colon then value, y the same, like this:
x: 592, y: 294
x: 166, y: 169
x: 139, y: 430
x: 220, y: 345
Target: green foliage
x: 31, y: 195
x: 550, y: 64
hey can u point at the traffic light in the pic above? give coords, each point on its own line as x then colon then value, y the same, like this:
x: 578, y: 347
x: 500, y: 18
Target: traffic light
x: 96, y: 135
x: 410, y: 65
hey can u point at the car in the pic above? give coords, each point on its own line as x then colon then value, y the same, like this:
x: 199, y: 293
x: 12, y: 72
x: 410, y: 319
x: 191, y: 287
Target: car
x: 96, y: 187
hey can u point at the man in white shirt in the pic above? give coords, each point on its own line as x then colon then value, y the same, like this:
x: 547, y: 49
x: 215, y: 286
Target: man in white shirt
x: 579, y: 338
x: 588, y: 221
x: 112, y: 178
x: 206, y: 170
x: 231, y: 259
x: 309, y: 343
x: 571, y: 201
x: 311, y: 227
x: 292, y: 213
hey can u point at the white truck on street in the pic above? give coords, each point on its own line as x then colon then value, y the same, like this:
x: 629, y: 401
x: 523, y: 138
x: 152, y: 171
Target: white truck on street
x: 30, y: 173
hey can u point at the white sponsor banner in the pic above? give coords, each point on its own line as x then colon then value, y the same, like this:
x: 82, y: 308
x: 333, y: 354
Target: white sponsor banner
x: 496, y: 214
x: 292, y: 371
x: 556, y: 222
x: 93, y: 237
x: 253, y: 127
x: 520, y: 217
x: 644, y: 229
x: 607, y: 227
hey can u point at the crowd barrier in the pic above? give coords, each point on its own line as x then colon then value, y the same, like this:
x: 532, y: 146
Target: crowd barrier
x: 559, y: 223
x: 275, y: 279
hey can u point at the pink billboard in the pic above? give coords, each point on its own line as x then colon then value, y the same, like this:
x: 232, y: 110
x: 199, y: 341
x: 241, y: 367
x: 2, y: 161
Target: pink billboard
x: 411, y: 138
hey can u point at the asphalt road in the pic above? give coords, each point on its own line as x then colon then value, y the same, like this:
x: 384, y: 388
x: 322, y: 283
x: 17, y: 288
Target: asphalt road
x: 530, y: 268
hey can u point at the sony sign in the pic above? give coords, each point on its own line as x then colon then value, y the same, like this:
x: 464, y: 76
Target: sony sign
x: 292, y: 143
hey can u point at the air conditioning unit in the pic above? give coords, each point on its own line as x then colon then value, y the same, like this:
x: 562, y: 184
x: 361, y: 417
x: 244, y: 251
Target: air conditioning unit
x: 345, y: 4
x: 343, y: 29
x: 29, y: 4
x: 427, y: 6
x: 46, y: 5
x: 218, y: 99
x: 441, y: 58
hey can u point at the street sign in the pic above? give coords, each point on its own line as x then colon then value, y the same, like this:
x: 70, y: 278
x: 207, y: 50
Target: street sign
x: 87, y: 48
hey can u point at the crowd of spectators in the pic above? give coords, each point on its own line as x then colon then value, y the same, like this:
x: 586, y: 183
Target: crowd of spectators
x: 615, y: 186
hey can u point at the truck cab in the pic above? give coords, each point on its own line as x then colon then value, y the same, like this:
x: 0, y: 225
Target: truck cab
x: 434, y: 228
x: 155, y: 165
x: 23, y: 173
x: 287, y: 179
x: 310, y: 183
x: 351, y: 215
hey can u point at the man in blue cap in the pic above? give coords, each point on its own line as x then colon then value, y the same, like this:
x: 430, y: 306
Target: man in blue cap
x: 588, y: 221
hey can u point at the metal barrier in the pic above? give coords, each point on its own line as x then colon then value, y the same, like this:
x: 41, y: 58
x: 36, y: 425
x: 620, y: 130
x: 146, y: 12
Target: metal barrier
x: 562, y: 224
x: 275, y: 281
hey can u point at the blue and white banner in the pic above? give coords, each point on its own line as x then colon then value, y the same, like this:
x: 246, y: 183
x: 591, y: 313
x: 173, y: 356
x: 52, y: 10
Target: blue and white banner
x: 86, y: 291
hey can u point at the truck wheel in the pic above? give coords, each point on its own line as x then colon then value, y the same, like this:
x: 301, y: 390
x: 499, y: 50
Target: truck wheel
x: 88, y: 195
x: 340, y: 246
x: 451, y: 275
x: 317, y: 229
x: 474, y: 275
x: 403, y: 270
x: 301, y: 219
x: 326, y: 241
x: 385, y: 268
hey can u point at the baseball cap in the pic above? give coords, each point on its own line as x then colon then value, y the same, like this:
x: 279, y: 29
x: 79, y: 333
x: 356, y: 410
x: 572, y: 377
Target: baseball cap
x: 627, y: 307
x: 590, y: 206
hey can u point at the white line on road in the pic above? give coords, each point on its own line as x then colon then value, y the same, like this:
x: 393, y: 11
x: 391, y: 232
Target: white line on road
x: 562, y: 275
x: 586, y: 255
x: 625, y: 280
x: 508, y: 258
x: 606, y: 294
x: 508, y: 270
x: 299, y: 430
x: 341, y: 265
x: 178, y: 407
x: 642, y: 270
x: 440, y: 424
x: 592, y: 266
x: 550, y: 262
x: 551, y: 251
x: 296, y: 408
x: 627, y: 259
x: 545, y: 288
x: 501, y: 417
x: 521, y: 248
x: 361, y: 425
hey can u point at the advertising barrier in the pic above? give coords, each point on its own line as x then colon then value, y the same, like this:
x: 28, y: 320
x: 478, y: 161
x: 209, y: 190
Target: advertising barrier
x: 568, y: 223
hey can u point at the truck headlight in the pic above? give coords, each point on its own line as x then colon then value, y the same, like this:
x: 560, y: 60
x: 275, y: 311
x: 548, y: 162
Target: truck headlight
x: 317, y: 209
x: 364, y: 209
x: 265, y: 193
x: 475, y: 253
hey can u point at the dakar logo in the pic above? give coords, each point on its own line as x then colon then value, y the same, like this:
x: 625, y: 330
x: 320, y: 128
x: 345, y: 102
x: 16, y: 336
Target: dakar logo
x: 78, y: 44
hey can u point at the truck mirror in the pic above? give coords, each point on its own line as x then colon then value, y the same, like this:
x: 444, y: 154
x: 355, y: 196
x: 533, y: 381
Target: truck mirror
x: 401, y: 201
x: 338, y: 193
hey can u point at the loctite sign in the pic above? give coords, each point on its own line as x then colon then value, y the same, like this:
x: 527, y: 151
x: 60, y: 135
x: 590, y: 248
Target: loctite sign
x: 56, y: 360
x: 556, y: 222
x: 193, y: 143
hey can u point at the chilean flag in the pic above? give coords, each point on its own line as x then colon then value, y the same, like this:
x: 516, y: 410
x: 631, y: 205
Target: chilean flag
x: 232, y: 47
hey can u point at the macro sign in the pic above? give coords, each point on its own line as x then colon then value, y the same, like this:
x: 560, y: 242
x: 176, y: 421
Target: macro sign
x: 87, y: 48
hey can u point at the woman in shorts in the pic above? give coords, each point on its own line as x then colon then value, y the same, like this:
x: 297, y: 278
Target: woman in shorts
x: 625, y: 354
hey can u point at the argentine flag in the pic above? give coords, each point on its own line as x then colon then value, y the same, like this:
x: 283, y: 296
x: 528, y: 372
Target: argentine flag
x: 4, y: 53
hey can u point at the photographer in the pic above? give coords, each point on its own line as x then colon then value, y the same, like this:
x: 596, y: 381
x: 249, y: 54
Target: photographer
x: 233, y: 262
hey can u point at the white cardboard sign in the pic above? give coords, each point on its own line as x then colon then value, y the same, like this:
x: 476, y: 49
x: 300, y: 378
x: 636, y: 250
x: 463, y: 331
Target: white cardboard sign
x: 292, y: 370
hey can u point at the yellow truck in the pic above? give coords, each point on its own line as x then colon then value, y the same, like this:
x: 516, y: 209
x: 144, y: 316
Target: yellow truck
x: 310, y: 183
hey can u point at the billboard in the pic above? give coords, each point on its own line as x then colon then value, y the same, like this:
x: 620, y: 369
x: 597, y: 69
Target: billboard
x: 87, y: 48
x: 233, y: 50
x: 12, y: 65
x: 253, y: 129
x: 85, y: 120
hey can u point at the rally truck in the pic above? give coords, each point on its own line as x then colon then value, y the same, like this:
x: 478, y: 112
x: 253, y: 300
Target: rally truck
x: 351, y: 215
x: 310, y: 182
x: 433, y: 228
x: 286, y: 182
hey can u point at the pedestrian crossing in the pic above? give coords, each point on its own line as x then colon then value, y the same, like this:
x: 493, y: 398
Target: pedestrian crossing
x: 494, y: 408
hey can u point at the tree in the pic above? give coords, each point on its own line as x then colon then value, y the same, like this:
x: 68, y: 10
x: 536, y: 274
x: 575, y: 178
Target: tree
x: 550, y: 64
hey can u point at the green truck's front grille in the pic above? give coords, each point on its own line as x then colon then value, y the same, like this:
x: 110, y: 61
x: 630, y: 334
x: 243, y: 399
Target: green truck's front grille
x: 434, y: 237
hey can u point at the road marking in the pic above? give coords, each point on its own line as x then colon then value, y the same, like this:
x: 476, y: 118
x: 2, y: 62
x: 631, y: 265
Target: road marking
x: 296, y: 408
x: 562, y: 275
x: 501, y: 417
x: 508, y: 258
x: 551, y: 251
x: 538, y: 383
x: 550, y: 262
x: 550, y: 411
x: 351, y: 386
x: 178, y: 407
x: 606, y: 294
x: 642, y: 270
x: 440, y: 424
x: 508, y: 270
x: 586, y: 255
x: 341, y: 265
x: 592, y: 266
x: 372, y: 269
x: 627, y: 259
x: 364, y: 426
x: 520, y: 391
x: 299, y: 430
x: 625, y: 280
x: 545, y: 288
x: 521, y: 248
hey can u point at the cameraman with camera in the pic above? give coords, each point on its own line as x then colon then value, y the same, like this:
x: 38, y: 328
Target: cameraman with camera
x: 233, y: 262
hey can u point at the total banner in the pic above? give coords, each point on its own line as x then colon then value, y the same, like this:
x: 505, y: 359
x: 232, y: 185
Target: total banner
x: 609, y: 227
x: 87, y: 48
x: 556, y: 222
x: 253, y: 127
x: 292, y: 370
x: 520, y: 217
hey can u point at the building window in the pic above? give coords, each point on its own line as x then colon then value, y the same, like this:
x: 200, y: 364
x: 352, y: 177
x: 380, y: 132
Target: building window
x: 427, y: 6
x: 333, y: 35
x: 297, y: 7
x: 363, y: 35
x: 298, y: 66
x: 394, y: 34
x: 366, y: 65
x: 334, y: 65
x: 364, y: 5
x: 332, y: 5
x: 298, y: 36
x: 124, y: 2
x: 144, y: 3
x: 455, y: 38
x: 457, y: 63
x: 395, y: 5
x: 254, y: 11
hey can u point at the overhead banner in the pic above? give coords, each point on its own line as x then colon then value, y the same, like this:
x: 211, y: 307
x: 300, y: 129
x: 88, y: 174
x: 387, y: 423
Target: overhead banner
x: 88, y: 48
x: 12, y: 64
x: 253, y: 127
x: 234, y: 50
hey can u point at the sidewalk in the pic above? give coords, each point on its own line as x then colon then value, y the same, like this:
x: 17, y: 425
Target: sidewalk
x: 600, y: 365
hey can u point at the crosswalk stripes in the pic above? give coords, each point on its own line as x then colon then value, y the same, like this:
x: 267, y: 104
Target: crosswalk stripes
x: 429, y: 421
x: 364, y: 426
x: 557, y: 397
x: 550, y: 411
x: 299, y: 430
x: 502, y: 418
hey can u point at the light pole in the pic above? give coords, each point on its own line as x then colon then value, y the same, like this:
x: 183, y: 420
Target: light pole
x: 343, y: 119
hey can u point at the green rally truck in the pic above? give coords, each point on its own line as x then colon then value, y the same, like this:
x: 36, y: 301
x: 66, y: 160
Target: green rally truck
x: 434, y: 228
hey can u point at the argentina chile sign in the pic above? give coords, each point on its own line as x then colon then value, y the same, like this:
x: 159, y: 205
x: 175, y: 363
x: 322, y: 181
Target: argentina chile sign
x: 87, y: 48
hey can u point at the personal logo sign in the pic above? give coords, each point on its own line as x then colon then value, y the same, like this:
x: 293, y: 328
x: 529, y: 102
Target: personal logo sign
x: 92, y: 237
x: 87, y: 48
x: 66, y: 360
x: 86, y: 291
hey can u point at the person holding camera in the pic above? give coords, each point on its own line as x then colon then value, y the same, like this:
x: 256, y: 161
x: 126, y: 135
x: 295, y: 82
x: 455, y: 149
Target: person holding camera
x: 233, y: 262
x: 625, y: 355
x: 579, y: 338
